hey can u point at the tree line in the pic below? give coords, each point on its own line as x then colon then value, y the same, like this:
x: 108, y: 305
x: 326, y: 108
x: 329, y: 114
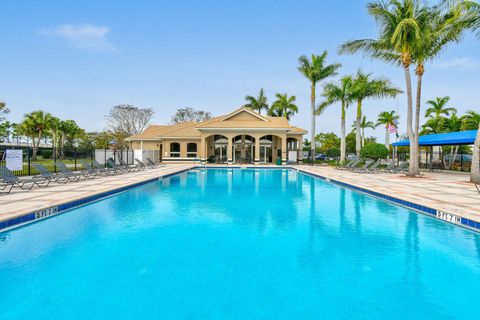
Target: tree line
x: 410, y: 33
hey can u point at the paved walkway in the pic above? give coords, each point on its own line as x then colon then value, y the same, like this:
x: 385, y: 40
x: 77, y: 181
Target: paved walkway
x: 19, y: 202
x: 448, y: 192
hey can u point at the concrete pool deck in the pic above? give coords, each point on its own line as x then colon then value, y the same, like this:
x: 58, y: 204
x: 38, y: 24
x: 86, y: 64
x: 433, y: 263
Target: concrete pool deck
x: 20, y: 202
x: 446, y: 192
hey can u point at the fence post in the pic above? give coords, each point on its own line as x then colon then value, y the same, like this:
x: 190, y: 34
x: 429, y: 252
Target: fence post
x: 54, y: 159
x: 28, y: 159
x: 75, y: 158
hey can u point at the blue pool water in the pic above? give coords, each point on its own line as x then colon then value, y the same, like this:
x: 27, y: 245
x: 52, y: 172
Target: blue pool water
x: 240, y: 244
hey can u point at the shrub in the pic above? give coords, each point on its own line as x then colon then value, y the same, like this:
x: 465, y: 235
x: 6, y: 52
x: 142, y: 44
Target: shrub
x: 374, y: 151
x: 332, y: 152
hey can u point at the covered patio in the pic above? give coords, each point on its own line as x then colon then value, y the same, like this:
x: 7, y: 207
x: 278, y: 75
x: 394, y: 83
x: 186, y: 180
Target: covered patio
x: 432, y: 154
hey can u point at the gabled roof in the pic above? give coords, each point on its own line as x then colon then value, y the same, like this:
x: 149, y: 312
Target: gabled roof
x: 245, y: 118
x: 242, y: 118
x: 443, y: 139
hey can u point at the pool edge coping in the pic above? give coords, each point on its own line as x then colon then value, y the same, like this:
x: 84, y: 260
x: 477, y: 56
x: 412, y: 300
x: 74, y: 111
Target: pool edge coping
x: 60, y: 208
x: 437, y: 214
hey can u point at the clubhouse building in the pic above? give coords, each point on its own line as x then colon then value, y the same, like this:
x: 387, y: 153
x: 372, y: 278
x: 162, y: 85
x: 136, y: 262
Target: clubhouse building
x: 242, y: 137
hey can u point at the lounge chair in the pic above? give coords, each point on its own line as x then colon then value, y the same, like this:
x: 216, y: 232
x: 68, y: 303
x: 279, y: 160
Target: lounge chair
x: 115, y: 167
x: 373, y: 168
x: 130, y: 168
x: 350, y: 165
x: 401, y: 168
x: 141, y: 164
x: 153, y: 164
x: 47, y: 174
x: 367, y: 164
x: 101, y: 169
x: 8, y: 178
x: 89, y: 168
x: 388, y: 168
x: 69, y: 174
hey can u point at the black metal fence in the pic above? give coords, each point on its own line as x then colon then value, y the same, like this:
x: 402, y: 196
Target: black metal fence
x: 441, y: 161
x: 71, y: 157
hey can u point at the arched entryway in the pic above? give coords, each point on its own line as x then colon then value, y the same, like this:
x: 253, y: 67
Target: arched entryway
x: 220, y: 145
x: 243, y: 149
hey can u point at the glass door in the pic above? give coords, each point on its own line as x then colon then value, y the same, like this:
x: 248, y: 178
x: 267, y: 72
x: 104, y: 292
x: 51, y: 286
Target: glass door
x: 220, y: 153
x: 265, y: 154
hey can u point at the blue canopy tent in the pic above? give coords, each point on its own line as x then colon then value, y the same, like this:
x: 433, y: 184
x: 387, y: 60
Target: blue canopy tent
x: 441, y: 139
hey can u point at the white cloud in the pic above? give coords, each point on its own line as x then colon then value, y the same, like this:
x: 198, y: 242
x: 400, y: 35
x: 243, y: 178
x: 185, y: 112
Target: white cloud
x: 82, y: 36
x: 462, y: 63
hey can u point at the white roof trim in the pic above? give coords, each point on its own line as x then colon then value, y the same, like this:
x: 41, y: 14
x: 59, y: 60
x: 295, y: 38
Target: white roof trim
x: 244, y: 109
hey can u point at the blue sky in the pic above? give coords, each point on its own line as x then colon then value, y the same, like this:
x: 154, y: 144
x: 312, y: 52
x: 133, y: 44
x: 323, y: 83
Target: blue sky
x: 77, y: 59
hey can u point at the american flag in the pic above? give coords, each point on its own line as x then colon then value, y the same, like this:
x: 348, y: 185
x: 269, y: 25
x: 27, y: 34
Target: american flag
x: 392, y: 128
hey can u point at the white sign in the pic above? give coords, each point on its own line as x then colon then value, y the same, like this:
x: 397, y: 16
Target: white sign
x: 14, y: 159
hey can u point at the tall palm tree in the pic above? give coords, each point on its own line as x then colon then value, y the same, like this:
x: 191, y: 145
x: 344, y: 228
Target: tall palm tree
x: 258, y: 103
x: 34, y: 125
x: 284, y: 106
x: 53, y: 126
x: 387, y: 119
x: 343, y: 93
x: 410, y: 32
x: 364, y: 124
x: 438, y: 107
x: 471, y: 121
x: 315, y: 70
x: 364, y: 87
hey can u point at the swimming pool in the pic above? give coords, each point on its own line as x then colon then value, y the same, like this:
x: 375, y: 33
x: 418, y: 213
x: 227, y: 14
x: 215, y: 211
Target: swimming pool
x: 240, y: 244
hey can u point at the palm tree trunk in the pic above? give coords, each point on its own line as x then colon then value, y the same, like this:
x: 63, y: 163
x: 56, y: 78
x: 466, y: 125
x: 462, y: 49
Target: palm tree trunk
x: 454, y: 158
x: 387, y: 138
x: 343, y: 143
x: 358, y: 132
x: 312, y: 133
x: 408, y: 82
x: 475, y: 169
x: 417, y: 119
x: 363, y: 137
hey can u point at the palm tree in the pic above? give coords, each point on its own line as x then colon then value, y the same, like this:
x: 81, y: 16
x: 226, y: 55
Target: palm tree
x: 475, y: 168
x: 258, y: 103
x: 433, y: 126
x: 410, y: 33
x: 284, y: 106
x: 34, y: 125
x: 315, y: 70
x: 364, y: 124
x: 438, y: 107
x: 453, y: 124
x: 470, y: 120
x: 68, y: 129
x: 53, y: 124
x: 387, y: 119
x: 364, y: 87
x: 343, y: 93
